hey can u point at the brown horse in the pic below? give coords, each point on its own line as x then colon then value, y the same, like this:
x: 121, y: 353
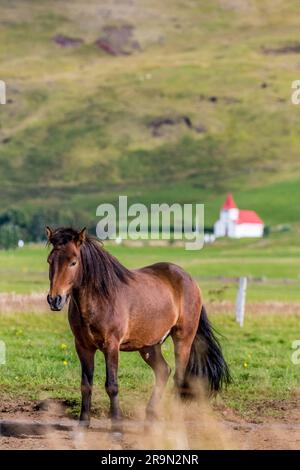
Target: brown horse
x: 115, y: 309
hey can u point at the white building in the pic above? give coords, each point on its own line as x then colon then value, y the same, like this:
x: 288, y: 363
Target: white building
x: 236, y: 223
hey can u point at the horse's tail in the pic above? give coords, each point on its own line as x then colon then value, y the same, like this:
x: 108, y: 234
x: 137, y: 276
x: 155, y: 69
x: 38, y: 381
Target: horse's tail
x: 206, y: 359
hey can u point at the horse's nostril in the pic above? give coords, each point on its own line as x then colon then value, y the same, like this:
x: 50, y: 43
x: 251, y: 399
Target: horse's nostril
x: 56, y: 301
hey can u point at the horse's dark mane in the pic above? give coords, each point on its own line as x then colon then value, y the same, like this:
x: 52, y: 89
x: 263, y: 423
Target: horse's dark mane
x: 102, y: 272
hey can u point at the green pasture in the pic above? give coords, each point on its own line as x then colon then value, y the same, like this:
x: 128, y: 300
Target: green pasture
x: 77, y: 131
x: 42, y: 363
x: 41, y: 359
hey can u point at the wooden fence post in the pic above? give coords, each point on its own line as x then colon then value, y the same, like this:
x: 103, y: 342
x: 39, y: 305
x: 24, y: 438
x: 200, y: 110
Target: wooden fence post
x: 2, y: 92
x: 2, y: 353
x: 241, y: 301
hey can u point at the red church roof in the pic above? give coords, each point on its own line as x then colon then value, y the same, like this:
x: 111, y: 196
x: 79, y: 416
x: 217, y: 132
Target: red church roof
x: 229, y: 203
x: 248, y: 217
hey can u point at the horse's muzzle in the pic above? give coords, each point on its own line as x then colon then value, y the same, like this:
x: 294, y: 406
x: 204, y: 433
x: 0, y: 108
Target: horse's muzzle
x: 56, y: 303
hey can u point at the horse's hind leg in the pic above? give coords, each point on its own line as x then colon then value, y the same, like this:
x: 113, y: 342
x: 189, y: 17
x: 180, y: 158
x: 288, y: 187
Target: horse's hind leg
x: 182, y: 349
x: 154, y: 358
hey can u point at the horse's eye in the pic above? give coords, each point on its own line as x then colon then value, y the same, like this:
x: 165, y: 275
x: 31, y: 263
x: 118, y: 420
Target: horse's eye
x: 73, y: 263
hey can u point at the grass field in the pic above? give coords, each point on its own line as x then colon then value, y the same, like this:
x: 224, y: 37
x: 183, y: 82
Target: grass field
x: 41, y: 360
x: 193, y: 101
x: 42, y: 363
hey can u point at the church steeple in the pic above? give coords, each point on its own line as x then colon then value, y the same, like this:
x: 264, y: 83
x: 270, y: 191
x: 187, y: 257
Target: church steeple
x: 229, y: 203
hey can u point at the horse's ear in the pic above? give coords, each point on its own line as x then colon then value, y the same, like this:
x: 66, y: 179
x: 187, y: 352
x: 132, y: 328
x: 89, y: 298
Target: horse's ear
x: 82, y: 235
x: 49, y: 232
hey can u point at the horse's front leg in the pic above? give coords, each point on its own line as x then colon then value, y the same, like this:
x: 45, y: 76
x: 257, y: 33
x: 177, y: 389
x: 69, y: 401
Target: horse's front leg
x: 111, y: 353
x: 86, y: 357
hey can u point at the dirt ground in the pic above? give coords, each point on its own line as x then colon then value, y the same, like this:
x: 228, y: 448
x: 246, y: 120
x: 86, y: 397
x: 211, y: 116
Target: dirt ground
x: 28, y: 425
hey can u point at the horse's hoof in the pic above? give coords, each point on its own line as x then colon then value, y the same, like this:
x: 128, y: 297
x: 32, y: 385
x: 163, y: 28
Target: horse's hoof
x: 149, y: 426
x: 117, y: 436
x: 117, y: 426
x: 83, y: 424
x: 151, y: 415
x: 117, y: 432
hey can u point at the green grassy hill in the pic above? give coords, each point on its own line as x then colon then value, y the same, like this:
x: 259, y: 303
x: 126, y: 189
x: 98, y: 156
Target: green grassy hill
x: 163, y: 101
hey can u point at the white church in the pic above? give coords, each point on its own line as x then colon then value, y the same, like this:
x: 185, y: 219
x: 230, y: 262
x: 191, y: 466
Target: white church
x: 236, y: 223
